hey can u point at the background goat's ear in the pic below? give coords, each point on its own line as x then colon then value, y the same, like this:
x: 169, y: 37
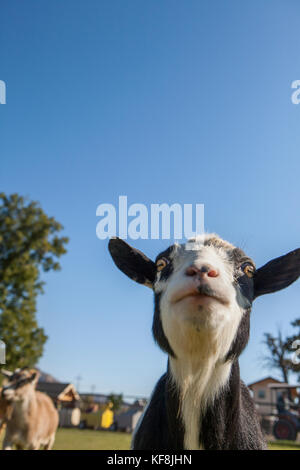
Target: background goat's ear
x: 132, y: 262
x: 277, y: 274
x: 6, y: 373
x: 34, y: 377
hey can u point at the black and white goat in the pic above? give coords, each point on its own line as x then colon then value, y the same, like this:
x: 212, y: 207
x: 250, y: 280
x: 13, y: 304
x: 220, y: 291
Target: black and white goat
x: 203, y: 294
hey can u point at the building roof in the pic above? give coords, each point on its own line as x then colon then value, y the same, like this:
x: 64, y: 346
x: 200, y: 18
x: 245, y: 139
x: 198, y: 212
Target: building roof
x: 58, y: 390
x: 283, y: 385
x: 268, y: 379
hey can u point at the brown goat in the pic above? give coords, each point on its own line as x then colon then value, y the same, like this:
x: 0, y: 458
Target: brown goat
x: 33, y: 419
x: 3, y: 409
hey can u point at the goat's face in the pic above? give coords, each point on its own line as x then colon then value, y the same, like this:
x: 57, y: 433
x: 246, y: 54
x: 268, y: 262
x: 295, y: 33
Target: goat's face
x: 19, y: 384
x: 204, y: 292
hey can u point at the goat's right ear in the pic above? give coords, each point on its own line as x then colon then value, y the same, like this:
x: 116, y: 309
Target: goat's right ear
x: 132, y: 262
x: 277, y: 274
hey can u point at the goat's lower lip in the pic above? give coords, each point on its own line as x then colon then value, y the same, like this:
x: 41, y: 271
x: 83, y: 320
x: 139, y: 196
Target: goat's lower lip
x: 197, y: 296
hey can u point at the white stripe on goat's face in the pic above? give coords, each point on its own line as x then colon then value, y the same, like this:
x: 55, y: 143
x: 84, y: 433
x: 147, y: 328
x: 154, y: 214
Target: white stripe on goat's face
x: 200, y: 303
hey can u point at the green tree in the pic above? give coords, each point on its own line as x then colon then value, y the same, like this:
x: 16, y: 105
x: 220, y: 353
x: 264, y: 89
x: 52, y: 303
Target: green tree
x: 29, y: 244
x: 281, y: 352
x: 278, y: 356
x: 116, y: 400
x: 293, y: 343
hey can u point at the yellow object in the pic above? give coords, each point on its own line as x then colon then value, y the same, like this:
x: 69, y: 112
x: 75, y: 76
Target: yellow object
x: 102, y: 418
x: 107, y: 418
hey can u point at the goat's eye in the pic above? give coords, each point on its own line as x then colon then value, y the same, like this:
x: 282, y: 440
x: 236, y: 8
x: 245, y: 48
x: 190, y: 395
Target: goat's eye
x: 161, y: 264
x: 248, y: 269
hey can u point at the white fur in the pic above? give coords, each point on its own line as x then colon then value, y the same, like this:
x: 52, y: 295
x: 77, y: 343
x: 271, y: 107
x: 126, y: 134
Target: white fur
x: 199, y: 383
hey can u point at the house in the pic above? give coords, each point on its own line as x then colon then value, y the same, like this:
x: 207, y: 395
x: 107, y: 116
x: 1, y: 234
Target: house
x: 266, y: 391
x: 66, y: 400
x: 128, y: 419
x: 62, y: 394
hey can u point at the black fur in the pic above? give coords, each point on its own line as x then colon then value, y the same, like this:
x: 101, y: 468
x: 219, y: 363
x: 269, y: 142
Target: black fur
x: 161, y: 427
x: 157, y: 329
x: 230, y: 423
x: 242, y: 337
x: 277, y: 274
x: 132, y: 262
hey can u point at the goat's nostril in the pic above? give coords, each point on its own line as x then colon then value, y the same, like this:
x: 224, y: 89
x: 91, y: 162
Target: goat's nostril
x: 213, y: 273
x: 191, y: 271
x: 205, y: 270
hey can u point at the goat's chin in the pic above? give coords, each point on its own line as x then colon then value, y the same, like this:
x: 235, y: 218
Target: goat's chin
x: 200, y: 312
x: 10, y: 398
x: 195, y: 335
x: 210, y: 321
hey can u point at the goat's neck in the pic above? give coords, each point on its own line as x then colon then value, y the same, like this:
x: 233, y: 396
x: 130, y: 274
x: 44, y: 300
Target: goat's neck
x: 201, y: 363
x: 203, y: 378
x: 198, y: 380
x: 26, y: 406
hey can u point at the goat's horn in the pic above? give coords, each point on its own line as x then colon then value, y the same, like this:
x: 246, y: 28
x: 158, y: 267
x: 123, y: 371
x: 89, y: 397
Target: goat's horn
x: 6, y: 373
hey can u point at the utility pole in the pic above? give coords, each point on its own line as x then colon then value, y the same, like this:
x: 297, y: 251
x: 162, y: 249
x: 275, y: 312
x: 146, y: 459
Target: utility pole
x: 78, y: 380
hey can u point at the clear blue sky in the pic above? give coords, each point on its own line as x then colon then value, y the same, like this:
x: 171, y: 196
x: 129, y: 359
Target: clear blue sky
x: 161, y: 101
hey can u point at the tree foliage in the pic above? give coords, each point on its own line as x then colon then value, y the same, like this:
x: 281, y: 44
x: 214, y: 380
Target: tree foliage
x: 29, y: 244
x: 281, y: 354
x: 116, y: 400
x: 293, y: 343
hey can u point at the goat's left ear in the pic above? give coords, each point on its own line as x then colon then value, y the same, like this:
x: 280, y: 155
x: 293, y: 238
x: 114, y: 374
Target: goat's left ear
x: 6, y: 373
x: 132, y: 262
x: 34, y: 377
x: 277, y: 274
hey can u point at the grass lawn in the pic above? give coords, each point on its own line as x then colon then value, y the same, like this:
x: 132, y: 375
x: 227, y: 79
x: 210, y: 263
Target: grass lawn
x: 71, y: 439
x: 87, y: 439
x: 284, y: 445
